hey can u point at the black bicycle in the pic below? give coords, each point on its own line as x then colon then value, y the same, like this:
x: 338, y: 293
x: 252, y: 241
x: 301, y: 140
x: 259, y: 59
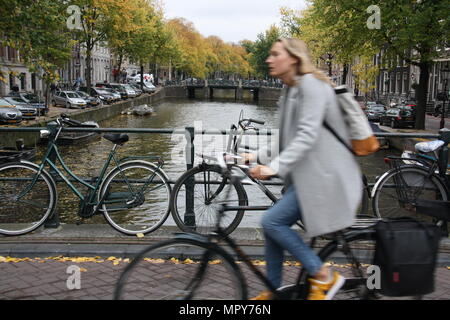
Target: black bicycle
x: 193, y: 266
x: 416, y: 184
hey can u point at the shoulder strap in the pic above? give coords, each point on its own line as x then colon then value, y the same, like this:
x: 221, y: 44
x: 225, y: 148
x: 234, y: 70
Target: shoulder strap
x: 329, y: 128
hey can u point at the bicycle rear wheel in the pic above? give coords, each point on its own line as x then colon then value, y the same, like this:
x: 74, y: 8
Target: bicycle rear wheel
x: 136, y: 198
x: 208, y: 192
x: 353, y: 263
x: 397, y: 191
x: 181, y: 269
x: 26, y: 200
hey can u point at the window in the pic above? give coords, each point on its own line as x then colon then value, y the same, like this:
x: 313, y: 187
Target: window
x: 33, y: 81
x: 11, y: 81
x: 23, y: 81
x: 405, y: 83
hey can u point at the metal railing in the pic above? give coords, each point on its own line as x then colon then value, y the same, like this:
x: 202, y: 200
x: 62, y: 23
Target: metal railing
x: 190, y: 133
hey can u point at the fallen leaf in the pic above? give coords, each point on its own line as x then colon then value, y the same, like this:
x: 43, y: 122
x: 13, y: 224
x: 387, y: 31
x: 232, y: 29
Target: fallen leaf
x: 140, y: 235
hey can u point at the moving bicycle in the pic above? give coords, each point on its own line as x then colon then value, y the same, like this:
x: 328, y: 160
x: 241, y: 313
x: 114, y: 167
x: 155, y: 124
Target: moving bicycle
x: 193, y: 266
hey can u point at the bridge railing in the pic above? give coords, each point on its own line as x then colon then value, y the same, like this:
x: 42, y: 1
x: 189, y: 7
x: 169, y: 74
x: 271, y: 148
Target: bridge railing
x: 189, y: 133
x: 225, y: 83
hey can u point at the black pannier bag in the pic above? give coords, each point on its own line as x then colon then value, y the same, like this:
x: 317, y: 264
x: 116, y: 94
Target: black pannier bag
x: 406, y: 251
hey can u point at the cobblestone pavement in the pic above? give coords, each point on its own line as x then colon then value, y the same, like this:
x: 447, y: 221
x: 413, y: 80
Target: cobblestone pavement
x: 50, y: 278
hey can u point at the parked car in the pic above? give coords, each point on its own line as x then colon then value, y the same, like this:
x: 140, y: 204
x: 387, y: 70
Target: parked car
x: 68, y: 99
x: 114, y: 93
x: 137, y: 89
x: 131, y: 93
x: 396, y: 118
x: 148, y: 86
x: 9, y: 114
x: 105, y: 96
x: 118, y: 87
x: 28, y: 111
x: 91, y: 101
x: 34, y: 100
x: 375, y: 111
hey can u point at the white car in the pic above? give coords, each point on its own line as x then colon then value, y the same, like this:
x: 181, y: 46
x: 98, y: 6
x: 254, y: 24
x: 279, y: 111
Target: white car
x: 148, y: 86
x: 137, y: 78
x: 68, y: 99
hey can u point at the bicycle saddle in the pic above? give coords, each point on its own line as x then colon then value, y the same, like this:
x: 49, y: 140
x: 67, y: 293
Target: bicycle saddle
x: 429, y: 146
x: 117, y: 138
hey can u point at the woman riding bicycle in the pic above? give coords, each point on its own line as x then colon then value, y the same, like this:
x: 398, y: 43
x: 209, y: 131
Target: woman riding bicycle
x: 321, y: 176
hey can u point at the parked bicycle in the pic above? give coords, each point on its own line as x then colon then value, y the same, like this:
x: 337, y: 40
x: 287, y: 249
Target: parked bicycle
x: 197, y: 193
x: 193, y: 266
x: 133, y: 196
x: 416, y: 181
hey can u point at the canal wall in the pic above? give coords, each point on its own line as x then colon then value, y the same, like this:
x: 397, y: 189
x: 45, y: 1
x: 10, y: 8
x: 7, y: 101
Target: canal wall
x: 97, y: 114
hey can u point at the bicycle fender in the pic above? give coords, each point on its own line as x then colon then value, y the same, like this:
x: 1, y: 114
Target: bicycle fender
x: 146, y: 163
x: 375, y: 187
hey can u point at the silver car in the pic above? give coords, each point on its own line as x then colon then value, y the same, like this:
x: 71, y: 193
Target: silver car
x: 131, y: 93
x: 28, y: 111
x: 9, y: 114
x: 68, y: 99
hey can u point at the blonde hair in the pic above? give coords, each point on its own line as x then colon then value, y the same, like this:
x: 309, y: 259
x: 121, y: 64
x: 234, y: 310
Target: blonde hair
x: 299, y: 50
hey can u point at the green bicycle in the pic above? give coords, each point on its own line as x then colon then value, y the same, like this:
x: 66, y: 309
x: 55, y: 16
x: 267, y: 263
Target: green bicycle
x: 133, y: 196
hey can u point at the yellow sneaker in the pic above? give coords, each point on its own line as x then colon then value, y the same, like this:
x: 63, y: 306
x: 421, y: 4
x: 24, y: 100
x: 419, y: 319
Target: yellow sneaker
x: 325, y: 290
x: 265, y: 295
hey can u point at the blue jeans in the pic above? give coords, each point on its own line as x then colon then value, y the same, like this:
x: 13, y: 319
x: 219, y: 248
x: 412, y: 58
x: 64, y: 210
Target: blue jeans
x: 279, y: 236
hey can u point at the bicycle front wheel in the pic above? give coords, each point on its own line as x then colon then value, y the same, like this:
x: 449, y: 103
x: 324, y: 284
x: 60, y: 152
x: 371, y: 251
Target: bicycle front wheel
x: 397, y: 191
x: 135, y: 198
x: 181, y: 269
x: 197, y: 195
x: 26, y: 199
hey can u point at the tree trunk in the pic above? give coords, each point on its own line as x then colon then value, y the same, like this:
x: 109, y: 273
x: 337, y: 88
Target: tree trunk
x: 422, y: 94
x: 119, y: 67
x: 345, y: 74
x: 88, y: 68
x: 142, y: 77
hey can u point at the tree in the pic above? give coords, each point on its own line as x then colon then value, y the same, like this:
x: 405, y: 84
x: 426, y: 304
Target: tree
x: 410, y: 30
x: 260, y: 50
x: 43, y: 40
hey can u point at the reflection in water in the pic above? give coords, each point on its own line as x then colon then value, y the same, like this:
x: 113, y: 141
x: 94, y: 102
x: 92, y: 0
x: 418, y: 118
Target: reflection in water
x: 87, y: 160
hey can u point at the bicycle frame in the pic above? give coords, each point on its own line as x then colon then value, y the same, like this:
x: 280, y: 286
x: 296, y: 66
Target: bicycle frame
x: 52, y: 155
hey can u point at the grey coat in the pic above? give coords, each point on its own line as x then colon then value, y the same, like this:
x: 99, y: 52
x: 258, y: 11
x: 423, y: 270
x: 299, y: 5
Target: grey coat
x: 325, y: 174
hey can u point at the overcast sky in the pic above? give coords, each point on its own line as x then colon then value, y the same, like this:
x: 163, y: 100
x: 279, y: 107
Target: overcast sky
x: 231, y: 20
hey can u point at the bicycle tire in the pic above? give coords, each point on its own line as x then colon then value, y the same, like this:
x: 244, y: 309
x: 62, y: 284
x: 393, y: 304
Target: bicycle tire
x: 43, y: 195
x: 148, y: 214
x: 173, y: 269
x: 205, y: 218
x: 420, y: 184
x: 357, y: 286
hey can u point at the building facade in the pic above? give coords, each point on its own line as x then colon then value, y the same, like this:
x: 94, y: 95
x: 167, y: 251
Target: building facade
x: 15, y: 73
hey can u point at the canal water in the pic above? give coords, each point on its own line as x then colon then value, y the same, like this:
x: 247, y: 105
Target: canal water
x: 86, y: 160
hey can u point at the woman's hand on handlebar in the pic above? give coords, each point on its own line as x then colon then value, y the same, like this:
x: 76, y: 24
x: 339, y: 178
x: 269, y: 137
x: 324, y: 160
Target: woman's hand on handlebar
x: 261, y: 172
x: 248, y: 158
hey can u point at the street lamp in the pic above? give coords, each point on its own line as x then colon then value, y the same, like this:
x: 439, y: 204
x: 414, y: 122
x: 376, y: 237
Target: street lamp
x: 445, y: 74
